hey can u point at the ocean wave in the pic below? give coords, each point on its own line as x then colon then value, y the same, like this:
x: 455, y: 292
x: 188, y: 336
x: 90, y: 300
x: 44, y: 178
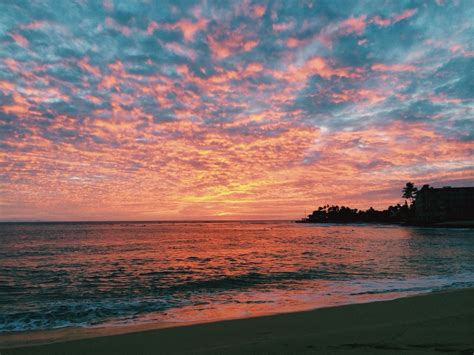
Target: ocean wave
x: 81, y: 311
x: 63, y: 314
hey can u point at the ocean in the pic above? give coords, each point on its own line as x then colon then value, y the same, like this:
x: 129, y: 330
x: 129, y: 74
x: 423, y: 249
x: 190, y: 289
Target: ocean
x: 56, y: 275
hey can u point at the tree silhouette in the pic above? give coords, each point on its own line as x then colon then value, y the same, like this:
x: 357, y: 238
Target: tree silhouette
x: 344, y: 214
x: 409, y: 191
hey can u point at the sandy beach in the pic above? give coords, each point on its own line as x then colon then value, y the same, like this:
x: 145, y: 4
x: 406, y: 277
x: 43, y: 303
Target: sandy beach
x: 438, y: 322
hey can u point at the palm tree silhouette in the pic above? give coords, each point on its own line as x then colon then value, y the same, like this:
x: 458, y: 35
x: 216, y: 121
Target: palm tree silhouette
x: 409, y: 192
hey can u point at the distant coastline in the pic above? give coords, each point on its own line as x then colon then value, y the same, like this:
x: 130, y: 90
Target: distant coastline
x: 444, y: 207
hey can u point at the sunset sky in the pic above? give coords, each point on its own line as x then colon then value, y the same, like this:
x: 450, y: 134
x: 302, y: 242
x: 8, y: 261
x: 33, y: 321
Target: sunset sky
x: 150, y: 110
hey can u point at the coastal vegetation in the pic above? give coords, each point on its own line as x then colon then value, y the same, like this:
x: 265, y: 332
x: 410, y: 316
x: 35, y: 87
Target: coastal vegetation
x: 399, y: 213
x: 446, y: 206
x: 343, y: 214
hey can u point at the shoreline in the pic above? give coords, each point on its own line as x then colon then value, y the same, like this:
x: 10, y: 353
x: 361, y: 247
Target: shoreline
x: 439, y: 321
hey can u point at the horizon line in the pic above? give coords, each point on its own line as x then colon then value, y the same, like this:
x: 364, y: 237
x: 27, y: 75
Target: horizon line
x: 151, y: 221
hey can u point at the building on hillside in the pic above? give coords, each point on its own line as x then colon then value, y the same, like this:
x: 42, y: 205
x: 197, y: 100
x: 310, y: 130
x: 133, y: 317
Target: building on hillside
x: 444, y: 204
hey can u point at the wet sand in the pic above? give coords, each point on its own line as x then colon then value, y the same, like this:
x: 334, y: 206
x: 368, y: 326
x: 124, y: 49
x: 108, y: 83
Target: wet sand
x: 434, y: 323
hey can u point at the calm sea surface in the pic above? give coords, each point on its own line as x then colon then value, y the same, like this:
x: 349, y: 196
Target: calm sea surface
x: 106, y: 274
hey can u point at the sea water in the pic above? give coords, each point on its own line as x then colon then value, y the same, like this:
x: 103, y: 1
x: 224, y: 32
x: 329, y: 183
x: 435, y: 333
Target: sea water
x: 55, y: 275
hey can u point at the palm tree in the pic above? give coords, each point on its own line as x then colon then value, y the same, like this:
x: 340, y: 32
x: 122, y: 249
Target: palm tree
x: 409, y: 192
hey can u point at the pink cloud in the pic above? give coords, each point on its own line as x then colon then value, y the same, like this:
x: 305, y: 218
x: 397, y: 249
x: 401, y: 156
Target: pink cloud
x: 460, y: 49
x: 20, y: 40
x: 384, y: 22
x: 293, y: 42
x: 249, y: 45
x: 393, y: 67
x: 443, y: 99
x: 218, y: 50
x: 255, y: 67
x: 404, y: 15
x: 110, y: 22
x: 152, y: 26
x: 6, y: 86
x: 279, y: 27
x: 315, y: 66
x: 108, y: 81
x: 358, y: 95
x: 181, y: 50
x: 259, y: 10
x: 12, y: 64
x: 93, y: 99
x: 189, y: 28
x: 352, y: 25
x: 20, y: 105
x: 84, y: 64
x: 227, y: 43
x: 34, y: 25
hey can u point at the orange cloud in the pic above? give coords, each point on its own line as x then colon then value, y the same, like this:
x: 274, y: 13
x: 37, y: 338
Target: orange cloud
x: 108, y: 81
x: 6, y: 86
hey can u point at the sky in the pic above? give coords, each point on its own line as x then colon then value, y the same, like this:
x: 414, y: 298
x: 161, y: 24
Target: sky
x: 180, y: 110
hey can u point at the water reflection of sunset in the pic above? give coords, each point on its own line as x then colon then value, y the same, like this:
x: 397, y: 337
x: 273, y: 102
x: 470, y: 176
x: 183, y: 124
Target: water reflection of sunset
x: 88, y: 274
